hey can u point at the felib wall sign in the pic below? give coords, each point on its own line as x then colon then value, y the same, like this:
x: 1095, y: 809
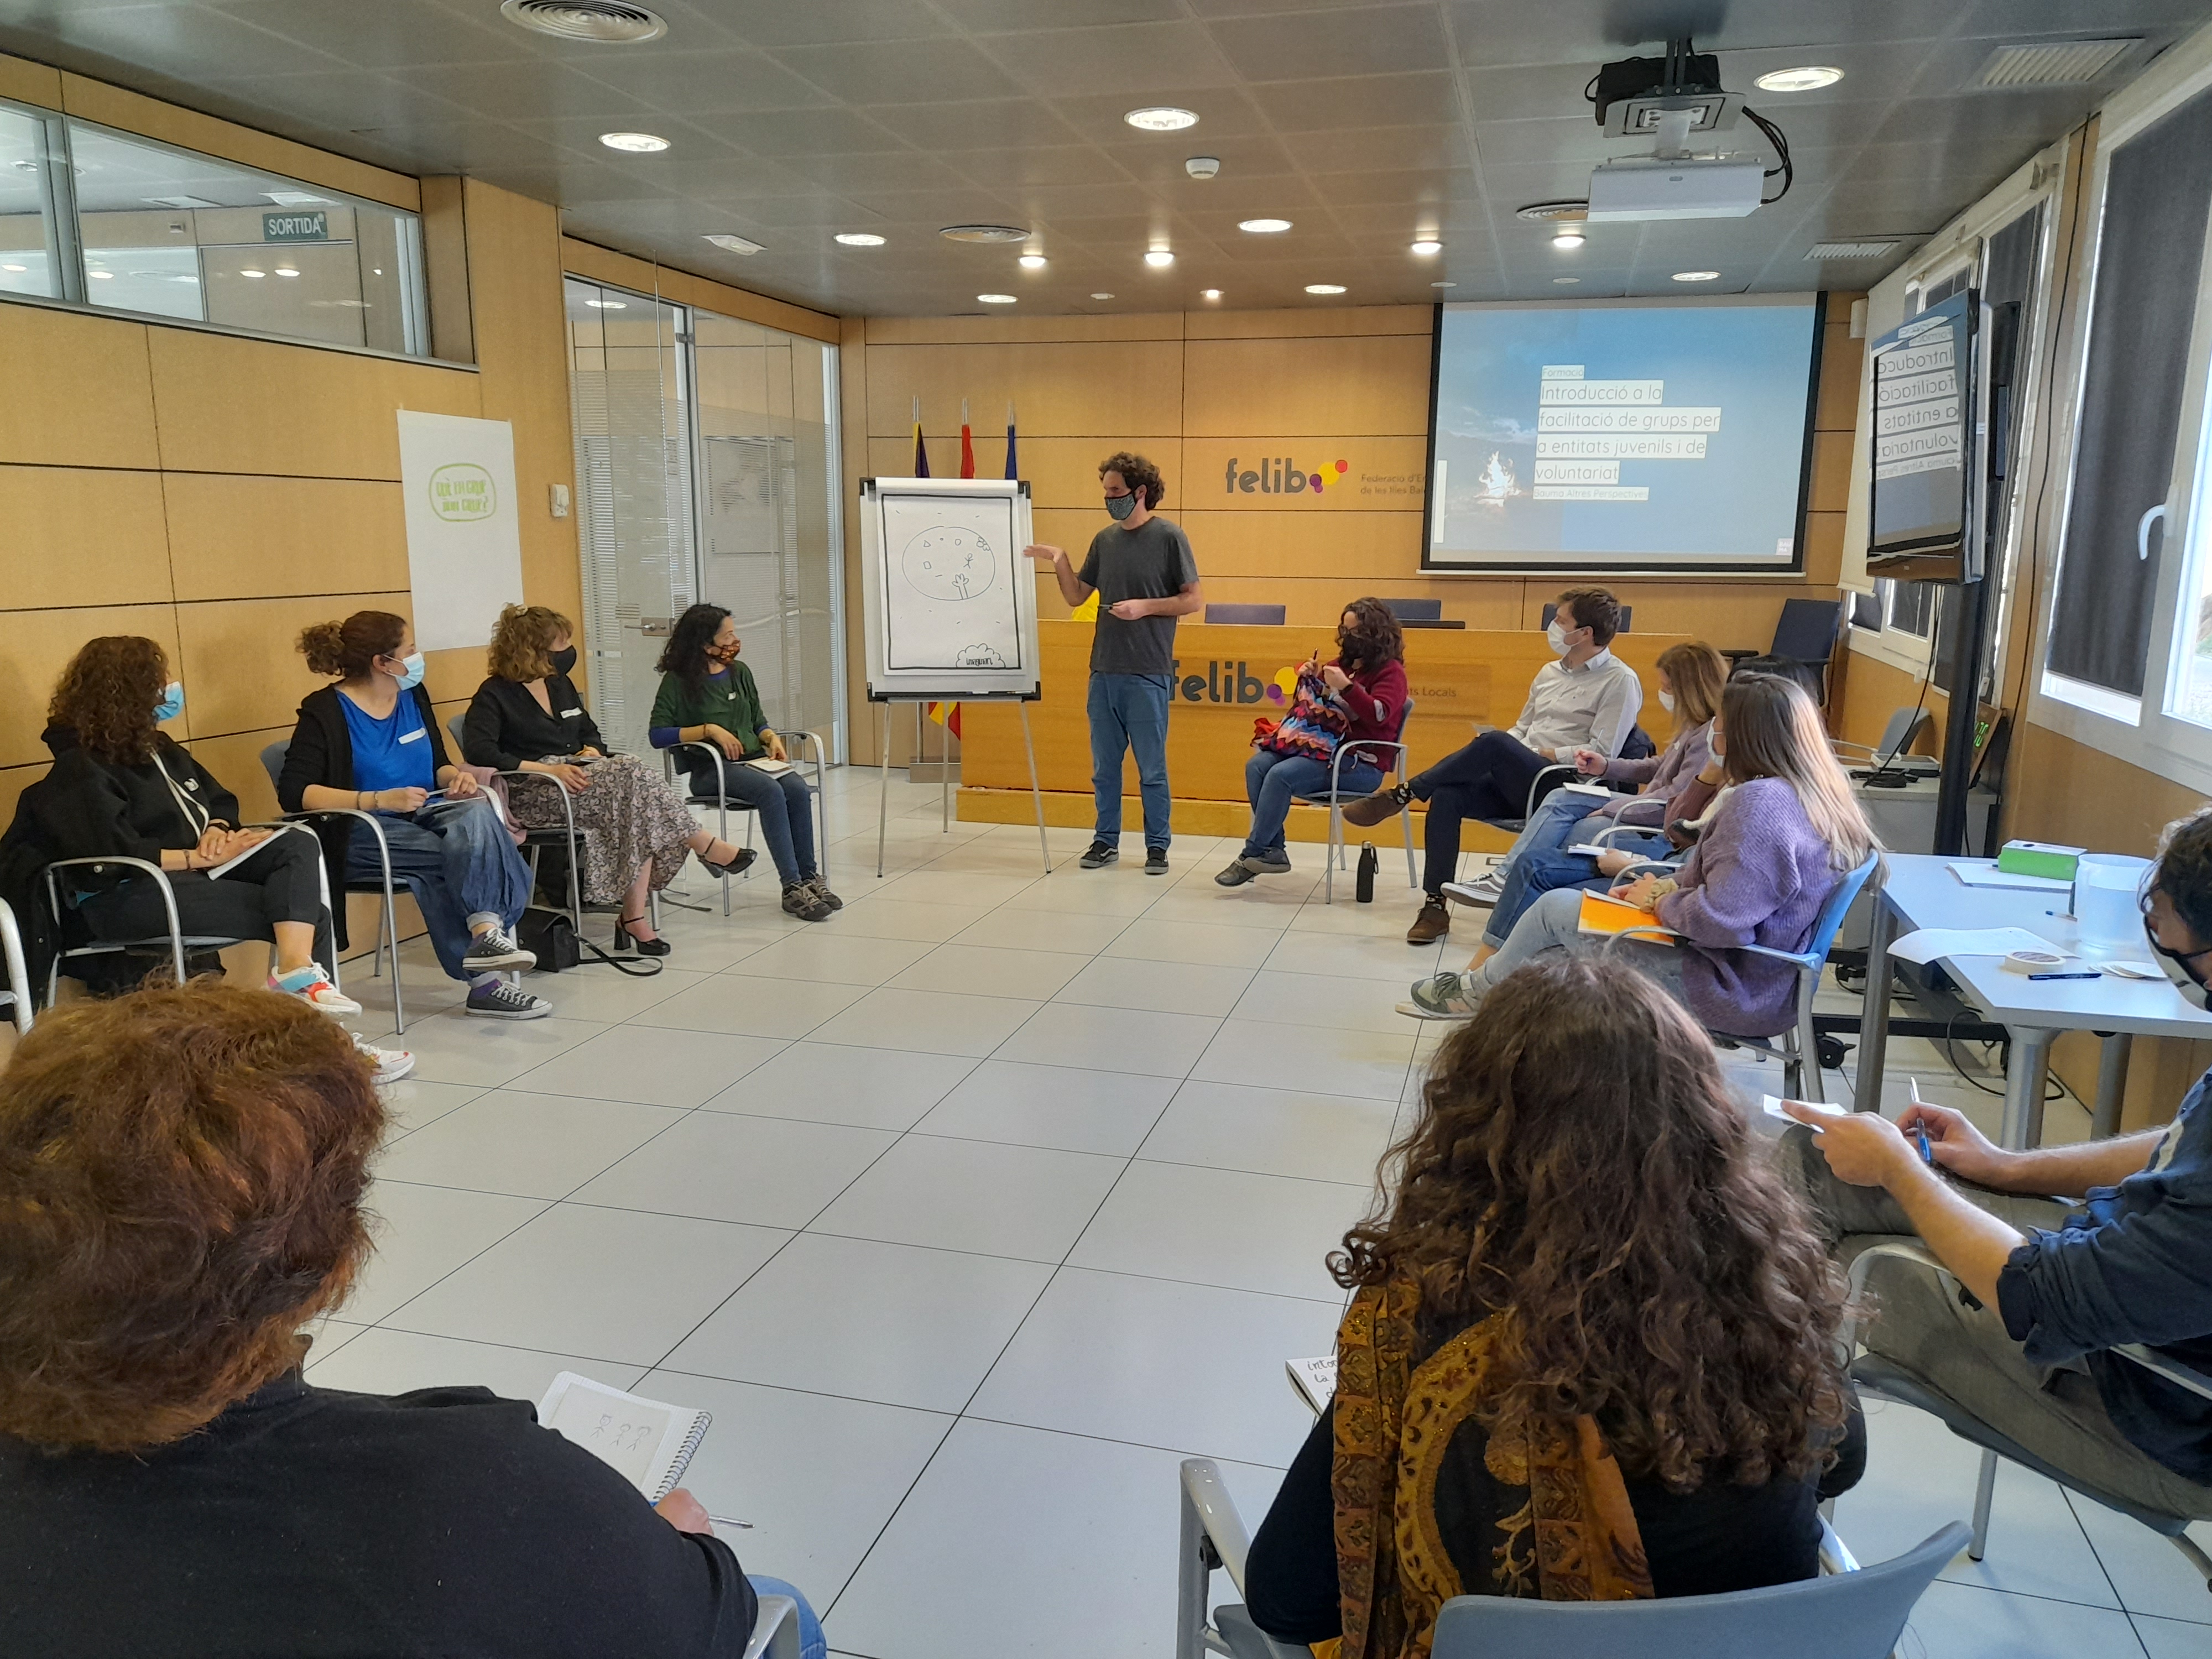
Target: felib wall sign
x: 464, y: 537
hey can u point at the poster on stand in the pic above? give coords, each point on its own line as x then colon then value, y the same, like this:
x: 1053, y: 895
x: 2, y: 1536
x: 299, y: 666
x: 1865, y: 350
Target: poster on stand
x: 464, y: 529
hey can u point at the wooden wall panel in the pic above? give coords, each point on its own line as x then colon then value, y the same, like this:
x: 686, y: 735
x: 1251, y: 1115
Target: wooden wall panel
x: 1379, y: 473
x: 1077, y: 389
x: 227, y: 405
x: 237, y: 536
x: 235, y: 760
x: 69, y: 532
x: 241, y: 669
x: 27, y: 82
x: 36, y: 646
x: 75, y: 390
x: 1376, y: 384
x: 1063, y: 472
x: 1355, y: 549
x: 1308, y: 324
x: 1001, y: 330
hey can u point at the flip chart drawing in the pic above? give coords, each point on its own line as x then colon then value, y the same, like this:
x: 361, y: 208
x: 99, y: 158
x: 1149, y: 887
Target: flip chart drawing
x: 950, y: 604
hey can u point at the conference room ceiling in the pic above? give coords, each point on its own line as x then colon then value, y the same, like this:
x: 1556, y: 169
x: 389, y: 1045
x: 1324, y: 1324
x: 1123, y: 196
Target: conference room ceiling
x: 1367, y: 126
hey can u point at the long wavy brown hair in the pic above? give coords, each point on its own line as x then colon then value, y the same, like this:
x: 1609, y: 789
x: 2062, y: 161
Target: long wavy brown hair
x: 1578, y: 1161
x: 108, y: 692
x: 181, y: 1176
x: 522, y: 641
x: 1376, y: 639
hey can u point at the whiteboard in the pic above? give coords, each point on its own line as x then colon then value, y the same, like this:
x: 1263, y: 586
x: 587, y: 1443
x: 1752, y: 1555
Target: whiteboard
x: 948, y: 599
x: 464, y: 529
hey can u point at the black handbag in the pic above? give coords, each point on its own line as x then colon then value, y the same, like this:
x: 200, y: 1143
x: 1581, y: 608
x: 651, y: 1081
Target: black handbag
x: 550, y: 937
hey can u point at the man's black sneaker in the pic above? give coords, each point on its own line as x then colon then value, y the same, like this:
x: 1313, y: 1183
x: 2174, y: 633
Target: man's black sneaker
x: 1156, y: 861
x: 1098, y: 855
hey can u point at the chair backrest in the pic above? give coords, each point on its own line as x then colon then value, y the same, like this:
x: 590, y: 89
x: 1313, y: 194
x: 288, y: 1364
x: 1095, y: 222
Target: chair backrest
x: 1830, y: 921
x: 1848, y: 1615
x: 1807, y: 630
x: 1255, y: 616
x: 272, y: 760
x: 1627, y: 614
x: 1415, y: 609
x: 454, y: 726
x: 1902, y: 731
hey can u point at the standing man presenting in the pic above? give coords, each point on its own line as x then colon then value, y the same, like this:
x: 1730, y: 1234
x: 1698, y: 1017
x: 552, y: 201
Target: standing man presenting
x: 1140, y: 566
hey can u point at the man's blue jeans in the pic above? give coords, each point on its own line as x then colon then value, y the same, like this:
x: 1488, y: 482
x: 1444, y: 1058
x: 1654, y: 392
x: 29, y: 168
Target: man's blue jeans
x: 1271, y: 779
x: 1129, y: 712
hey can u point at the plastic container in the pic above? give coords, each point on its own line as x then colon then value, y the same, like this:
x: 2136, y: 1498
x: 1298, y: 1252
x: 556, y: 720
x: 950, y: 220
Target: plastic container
x: 2107, y: 905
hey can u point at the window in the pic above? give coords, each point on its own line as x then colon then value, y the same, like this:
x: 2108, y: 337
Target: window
x: 91, y: 216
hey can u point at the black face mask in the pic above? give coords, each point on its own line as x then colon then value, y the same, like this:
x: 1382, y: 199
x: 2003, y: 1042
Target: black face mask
x: 2179, y: 969
x: 564, y: 659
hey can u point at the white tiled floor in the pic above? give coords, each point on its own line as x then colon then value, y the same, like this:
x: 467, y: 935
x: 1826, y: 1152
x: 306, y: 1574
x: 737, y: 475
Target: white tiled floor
x: 971, y: 1211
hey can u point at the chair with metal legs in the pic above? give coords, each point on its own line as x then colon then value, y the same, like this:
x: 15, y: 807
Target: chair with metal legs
x: 18, y: 994
x: 572, y: 841
x: 62, y: 905
x: 387, y: 922
x: 1334, y: 801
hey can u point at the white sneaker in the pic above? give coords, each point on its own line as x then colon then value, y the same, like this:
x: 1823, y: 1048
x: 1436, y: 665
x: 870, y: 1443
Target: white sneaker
x: 1482, y: 893
x: 320, y: 994
x: 391, y: 1064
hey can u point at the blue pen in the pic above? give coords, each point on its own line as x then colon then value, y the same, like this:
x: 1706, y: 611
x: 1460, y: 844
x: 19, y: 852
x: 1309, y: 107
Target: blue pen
x: 1920, y: 1130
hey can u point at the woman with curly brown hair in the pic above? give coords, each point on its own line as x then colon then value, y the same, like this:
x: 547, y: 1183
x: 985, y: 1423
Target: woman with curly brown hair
x: 1367, y: 681
x: 1586, y: 1296
x: 527, y: 717
x: 182, y: 1174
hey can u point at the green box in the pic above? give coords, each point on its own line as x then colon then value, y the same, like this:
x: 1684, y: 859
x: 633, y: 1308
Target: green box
x: 2038, y: 858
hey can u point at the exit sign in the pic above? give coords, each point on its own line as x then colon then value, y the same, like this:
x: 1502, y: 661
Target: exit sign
x: 295, y: 227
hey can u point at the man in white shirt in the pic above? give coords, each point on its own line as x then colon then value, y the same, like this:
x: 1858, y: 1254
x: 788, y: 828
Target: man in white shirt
x: 1589, y: 699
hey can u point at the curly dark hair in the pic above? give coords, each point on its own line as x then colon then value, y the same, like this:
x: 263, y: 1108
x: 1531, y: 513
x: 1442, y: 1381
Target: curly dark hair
x: 181, y: 1175
x: 522, y: 641
x: 685, y: 653
x: 2183, y: 871
x: 1579, y: 1162
x: 1375, y: 641
x: 108, y: 693
x: 1138, y: 473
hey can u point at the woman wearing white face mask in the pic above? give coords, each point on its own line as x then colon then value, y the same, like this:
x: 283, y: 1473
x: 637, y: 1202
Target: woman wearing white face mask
x: 369, y: 743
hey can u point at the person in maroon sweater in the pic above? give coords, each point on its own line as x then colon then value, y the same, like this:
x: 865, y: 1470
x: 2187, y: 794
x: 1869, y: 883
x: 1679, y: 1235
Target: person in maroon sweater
x: 1369, y: 678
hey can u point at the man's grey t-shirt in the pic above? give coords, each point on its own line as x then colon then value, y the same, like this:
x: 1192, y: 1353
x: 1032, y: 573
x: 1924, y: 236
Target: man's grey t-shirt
x: 1153, y: 562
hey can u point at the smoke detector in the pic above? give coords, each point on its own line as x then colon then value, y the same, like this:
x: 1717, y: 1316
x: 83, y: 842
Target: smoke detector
x: 605, y: 22
x: 1202, y: 166
x: 984, y: 233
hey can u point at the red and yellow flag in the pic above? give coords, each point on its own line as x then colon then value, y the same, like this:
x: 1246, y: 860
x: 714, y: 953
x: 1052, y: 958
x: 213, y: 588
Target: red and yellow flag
x: 967, y: 444
x: 946, y: 714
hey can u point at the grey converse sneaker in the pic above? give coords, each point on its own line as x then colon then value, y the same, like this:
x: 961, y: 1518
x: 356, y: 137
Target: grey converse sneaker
x: 493, y: 951
x: 496, y: 998
x: 1484, y: 892
x: 821, y: 886
x: 800, y: 899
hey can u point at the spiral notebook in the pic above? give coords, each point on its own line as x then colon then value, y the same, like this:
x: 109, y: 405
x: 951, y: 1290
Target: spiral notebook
x: 644, y: 1441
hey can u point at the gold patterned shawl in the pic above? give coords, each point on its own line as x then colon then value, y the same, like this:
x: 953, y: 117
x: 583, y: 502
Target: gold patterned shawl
x: 1564, y: 1529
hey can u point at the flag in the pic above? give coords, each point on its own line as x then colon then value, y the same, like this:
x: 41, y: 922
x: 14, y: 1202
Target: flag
x: 967, y: 444
x: 946, y: 714
x: 921, y: 451
x: 1011, y: 472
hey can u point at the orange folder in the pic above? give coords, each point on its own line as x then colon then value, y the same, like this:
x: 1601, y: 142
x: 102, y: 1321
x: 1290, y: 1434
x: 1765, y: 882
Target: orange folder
x: 1602, y: 914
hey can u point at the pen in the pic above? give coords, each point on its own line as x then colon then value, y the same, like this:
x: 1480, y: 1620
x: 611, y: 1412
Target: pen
x: 724, y: 1521
x: 1920, y: 1130
x: 2091, y: 975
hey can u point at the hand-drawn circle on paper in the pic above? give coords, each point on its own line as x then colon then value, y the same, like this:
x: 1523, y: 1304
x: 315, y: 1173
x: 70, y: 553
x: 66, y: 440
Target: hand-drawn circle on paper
x: 947, y: 561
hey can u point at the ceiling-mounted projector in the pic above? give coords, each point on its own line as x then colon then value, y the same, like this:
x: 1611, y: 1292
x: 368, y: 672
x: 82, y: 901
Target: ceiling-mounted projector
x: 1668, y: 100
x: 1683, y: 188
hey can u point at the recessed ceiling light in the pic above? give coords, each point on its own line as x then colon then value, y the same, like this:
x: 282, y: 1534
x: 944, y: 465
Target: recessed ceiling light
x: 1540, y: 212
x: 1565, y: 281
x: 607, y: 22
x: 1102, y: 296
x: 1806, y: 79
x: 1264, y: 227
x: 1032, y: 262
x: 109, y: 275
x: 1324, y: 288
x: 1426, y: 246
x: 635, y: 143
x: 860, y: 239
x: 257, y: 274
x: 1161, y: 118
x: 1203, y: 293
x: 1568, y: 235
x: 287, y: 270
x: 985, y: 234
x: 608, y: 305
x: 1697, y: 275
x: 1443, y: 284
x: 1159, y: 258
x: 736, y: 243
x: 14, y: 267
x: 996, y: 299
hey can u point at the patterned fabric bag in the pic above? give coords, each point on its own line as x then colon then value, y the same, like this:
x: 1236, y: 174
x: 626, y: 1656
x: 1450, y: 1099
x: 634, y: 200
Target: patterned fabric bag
x: 1313, y: 729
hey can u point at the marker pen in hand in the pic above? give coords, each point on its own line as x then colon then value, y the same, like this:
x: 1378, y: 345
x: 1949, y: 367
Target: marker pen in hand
x: 1920, y: 1130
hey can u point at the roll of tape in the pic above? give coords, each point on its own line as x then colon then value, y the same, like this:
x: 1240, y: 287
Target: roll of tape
x: 2032, y: 962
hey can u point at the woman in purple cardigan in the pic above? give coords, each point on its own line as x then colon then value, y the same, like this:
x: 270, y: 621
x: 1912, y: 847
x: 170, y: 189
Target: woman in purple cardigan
x: 1782, y: 831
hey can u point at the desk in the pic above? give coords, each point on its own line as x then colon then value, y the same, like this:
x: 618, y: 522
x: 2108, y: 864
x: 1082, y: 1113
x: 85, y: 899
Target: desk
x: 1919, y: 892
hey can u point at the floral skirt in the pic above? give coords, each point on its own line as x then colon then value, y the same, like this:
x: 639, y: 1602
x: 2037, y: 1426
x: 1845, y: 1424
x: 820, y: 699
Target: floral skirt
x: 634, y: 820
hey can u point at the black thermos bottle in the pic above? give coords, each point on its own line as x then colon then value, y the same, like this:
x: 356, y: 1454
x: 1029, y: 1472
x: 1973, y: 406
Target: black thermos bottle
x: 1363, y: 891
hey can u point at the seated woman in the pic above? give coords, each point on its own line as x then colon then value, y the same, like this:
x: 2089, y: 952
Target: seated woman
x: 120, y: 787
x: 1588, y: 1295
x: 707, y: 695
x: 1369, y: 678
x: 370, y: 742
x: 1780, y: 834
x: 526, y: 717
x: 182, y: 1174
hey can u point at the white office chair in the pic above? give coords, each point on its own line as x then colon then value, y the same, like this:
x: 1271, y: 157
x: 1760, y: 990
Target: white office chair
x: 775, y: 1630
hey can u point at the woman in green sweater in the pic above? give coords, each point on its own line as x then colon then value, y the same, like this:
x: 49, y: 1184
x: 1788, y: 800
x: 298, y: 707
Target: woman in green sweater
x: 707, y: 695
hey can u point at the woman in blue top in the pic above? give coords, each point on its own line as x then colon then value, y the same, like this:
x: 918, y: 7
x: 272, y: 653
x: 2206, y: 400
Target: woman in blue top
x: 369, y: 744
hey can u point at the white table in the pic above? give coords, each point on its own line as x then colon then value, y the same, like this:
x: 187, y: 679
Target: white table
x: 1920, y: 891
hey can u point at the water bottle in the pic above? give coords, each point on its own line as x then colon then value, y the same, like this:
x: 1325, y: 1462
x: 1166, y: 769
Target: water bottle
x: 1364, y: 889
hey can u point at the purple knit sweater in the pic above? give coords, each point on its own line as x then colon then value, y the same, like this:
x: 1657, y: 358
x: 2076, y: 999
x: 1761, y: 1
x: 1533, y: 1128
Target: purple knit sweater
x: 1663, y: 776
x: 1758, y: 876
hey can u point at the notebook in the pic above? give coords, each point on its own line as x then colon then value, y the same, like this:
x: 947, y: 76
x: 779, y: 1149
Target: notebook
x: 1314, y: 1379
x: 1602, y: 914
x: 645, y: 1442
x: 775, y: 768
x: 1596, y: 789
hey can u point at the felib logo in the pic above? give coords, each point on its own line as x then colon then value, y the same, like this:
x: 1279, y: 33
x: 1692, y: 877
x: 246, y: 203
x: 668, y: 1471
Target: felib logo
x: 1276, y: 475
x: 463, y: 492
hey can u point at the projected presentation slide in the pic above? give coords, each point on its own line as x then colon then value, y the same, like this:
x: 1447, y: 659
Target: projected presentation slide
x: 1626, y: 435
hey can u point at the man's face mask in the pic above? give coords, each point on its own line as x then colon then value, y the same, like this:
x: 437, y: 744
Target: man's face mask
x: 1120, y: 507
x: 2179, y: 967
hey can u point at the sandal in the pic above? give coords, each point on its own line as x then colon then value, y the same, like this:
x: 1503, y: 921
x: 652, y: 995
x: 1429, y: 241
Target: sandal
x: 626, y: 940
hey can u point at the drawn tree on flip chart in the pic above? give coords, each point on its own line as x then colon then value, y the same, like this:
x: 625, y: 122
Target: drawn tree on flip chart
x: 952, y: 601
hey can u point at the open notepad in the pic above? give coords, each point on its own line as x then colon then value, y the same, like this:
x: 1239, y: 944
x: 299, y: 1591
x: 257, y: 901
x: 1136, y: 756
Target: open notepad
x: 647, y: 1443
x: 1314, y: 1379
x: 1602, y: 914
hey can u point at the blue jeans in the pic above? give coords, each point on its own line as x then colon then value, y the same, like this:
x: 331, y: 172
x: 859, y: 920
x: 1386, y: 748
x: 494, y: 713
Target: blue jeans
x: 810, y: 1642
x: 1271, y: 779
x: 784, y: 808
x: 1129, y: 712
x: 456, y: 858
x: 1527, y: 879
x: 1553, y: 823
